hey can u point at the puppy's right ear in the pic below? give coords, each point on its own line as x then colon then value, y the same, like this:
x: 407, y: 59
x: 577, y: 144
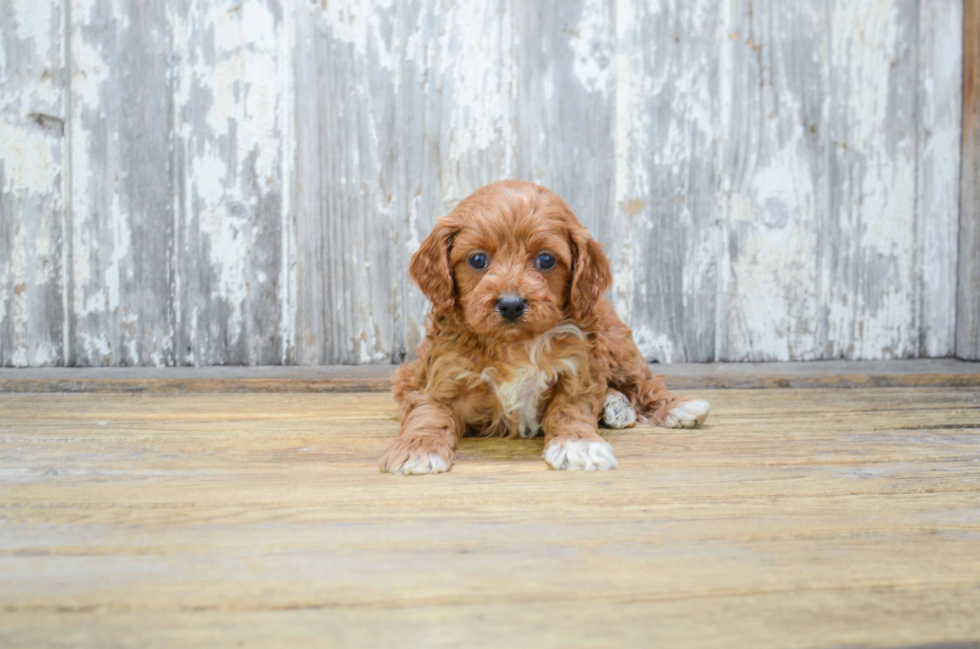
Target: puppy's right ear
x: 431, y: 270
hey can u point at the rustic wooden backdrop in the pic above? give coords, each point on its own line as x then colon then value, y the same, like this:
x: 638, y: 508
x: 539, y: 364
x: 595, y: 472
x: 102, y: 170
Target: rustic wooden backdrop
x: 244, y: 181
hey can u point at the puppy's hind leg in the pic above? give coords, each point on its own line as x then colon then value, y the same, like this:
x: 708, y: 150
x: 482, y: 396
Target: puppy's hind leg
x: 657, y: 405
x: 689, y: 414
x: 618, y: 412
x: 661, y: 407
x: 631, y: 376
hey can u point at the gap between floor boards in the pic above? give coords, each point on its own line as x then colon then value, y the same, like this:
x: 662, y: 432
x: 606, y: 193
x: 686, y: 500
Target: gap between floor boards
x: 377, y: 378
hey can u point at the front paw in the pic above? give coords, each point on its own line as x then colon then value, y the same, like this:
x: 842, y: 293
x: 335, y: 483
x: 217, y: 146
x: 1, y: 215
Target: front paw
x: 415, y: 456
x: 580, y: 455
x: 689, y: 414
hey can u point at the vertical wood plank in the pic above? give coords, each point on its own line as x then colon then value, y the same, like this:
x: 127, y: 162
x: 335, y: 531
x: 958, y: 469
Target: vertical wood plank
x: 869, y: 280
x: 968, y: 291
x: 31, y: 206
x: 229, y: 157
x: 287, y: 239
x: 346, y: 97
x: 940, y: 100
x: 122, y: 183
x: 455, y: 126
x: 367, y: 77
x: 565, y: 111
x: 308, y: 217
x: 469, y: 72
x: 664, y: 236
x: 772, y: 180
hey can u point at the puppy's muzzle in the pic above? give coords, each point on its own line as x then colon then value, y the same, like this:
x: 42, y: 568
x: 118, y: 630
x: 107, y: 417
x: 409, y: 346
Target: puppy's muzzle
x: 511, y: 307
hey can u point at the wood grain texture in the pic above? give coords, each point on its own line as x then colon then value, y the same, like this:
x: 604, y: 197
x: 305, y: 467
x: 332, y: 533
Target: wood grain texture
x: 407, y: 108
x: 228, y: 248
x: 349, y: 185
x: 32, y: 129
x: 246, y: 180
x: 122, y: 184
x: 968, y: 288
x: 663, y: 236
x: 795, y: 518
x: 566, y: 104
x: 773, y: 181
x: 940, y: 86
x: 869, y: 283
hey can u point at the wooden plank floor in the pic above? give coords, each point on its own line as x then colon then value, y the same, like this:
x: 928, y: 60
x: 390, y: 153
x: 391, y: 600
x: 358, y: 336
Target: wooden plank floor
x: 796, y: 518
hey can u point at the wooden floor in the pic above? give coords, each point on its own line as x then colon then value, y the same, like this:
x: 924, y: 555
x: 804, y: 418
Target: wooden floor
x: 796, y: 518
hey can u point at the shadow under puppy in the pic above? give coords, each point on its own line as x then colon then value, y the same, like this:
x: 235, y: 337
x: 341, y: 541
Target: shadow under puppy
x: 521, y: 339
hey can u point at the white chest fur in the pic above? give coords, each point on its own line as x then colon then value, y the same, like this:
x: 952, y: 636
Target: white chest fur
x: 520, y: 398
x: 520, y: 394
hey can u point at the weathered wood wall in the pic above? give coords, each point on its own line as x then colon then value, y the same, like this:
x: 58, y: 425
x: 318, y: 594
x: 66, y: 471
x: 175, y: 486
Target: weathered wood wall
x: 244, y: 181
x: 968, y: 303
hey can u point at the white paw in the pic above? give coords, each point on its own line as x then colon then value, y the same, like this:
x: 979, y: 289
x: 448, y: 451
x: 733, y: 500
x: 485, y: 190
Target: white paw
x: 689, y: 414
x: 580, y: 455
x: 422, y: 464
x: 618, y: 413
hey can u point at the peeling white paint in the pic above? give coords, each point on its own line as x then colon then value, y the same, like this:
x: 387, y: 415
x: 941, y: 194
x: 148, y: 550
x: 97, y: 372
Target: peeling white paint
x: 14, y: 300
x: 414, y: 242
x: 876, y: 155
x: 632, y: 180
x: 19, y: 358
x: 358, y: 24
x: 285, y: 125
x: 89, y: 70
x: 593, y: 64
x: 771, y: 283
x: 30, y: 193
x: 941, y: 75
x: 230, y: 85
x: 28, y: 160
x: 476, y: 42
x: 32, y: 24
x: 34, y: 21
x: 784, y: 243
x: 99, y: 345
x: 655, y: 347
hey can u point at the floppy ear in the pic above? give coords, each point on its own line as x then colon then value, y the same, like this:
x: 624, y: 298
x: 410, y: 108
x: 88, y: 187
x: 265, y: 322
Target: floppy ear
x: 431, y: 270
x: 591, y: 276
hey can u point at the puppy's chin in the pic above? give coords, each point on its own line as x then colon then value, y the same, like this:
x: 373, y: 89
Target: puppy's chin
x: 513, y: 332
x: 491, y: 325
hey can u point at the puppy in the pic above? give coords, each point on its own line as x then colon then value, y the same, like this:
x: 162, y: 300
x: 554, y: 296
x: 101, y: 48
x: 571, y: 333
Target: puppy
x: 521, y: 340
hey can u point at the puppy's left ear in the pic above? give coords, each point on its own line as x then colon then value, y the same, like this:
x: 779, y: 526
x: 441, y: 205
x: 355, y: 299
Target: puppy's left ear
x: 431, y: 270
x: 591, y: 276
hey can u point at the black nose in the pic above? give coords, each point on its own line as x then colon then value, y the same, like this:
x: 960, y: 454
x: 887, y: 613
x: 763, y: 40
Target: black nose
x: 511, y: 307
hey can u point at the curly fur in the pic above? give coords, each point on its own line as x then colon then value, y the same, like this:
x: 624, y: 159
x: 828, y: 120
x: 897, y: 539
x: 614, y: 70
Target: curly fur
x: 549, y: 371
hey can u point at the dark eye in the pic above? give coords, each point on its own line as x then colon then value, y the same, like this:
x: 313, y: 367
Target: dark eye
x: 545, y: 261
x: 479, y: 261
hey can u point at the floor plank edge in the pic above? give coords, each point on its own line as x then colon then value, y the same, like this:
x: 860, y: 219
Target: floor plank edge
x: 377, y: 378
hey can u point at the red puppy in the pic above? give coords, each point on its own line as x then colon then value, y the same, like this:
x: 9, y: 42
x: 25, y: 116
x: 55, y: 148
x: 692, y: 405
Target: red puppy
x: 521, y: 339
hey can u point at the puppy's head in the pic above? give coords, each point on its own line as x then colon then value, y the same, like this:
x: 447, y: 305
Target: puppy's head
x: 514, y: 260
